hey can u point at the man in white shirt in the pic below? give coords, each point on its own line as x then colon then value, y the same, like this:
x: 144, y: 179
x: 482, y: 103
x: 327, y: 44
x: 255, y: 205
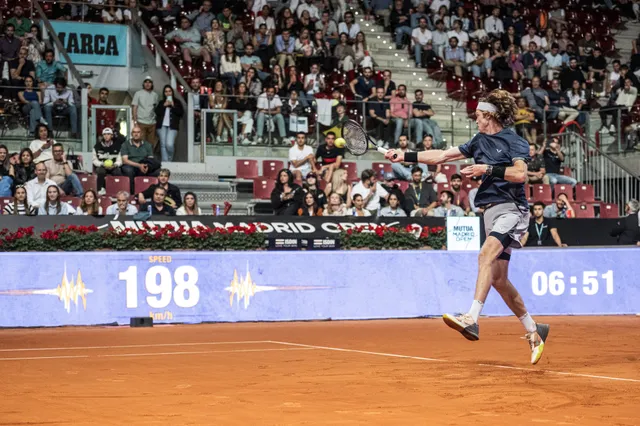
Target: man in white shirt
x: 313, y: 83
x: 59, y: 99
x: 301, y: 158
x: 554, y: 62
x: 439, y: 38
x: 371, y: 192
x: 437, y: 4
x: 265, y: 18
x: 462, y: 36
x: 309, y: 7
x: 421, y: 38
x: 37, y: 188
x: 348, y: 26
x: 493, y: 24
x: 532, y: 37
x: 122, y: 206
x: 269, y: 109
x: 625, y: 99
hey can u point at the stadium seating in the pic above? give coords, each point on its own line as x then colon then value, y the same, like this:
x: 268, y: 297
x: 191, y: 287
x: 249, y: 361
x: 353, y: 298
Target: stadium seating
x: 141, y: 183
x: 73, y: 201
x: 584, y: 211
x: 609, y: 210
x: 561, y: 188
x: 89, y: 182
x: 262, y: 188
x: 448, y: 170
x: 247, y: 169
x: 270, y: 168
x: 104, y: 202
x: 114, y: 184
x: 352, y: 171
x: 381, y: 168
x: 585, y: 193
x: 542, y: 192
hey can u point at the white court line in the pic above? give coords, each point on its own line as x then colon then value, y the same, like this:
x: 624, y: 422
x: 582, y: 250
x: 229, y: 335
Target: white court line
x: 43, y: 357
x: 419, y: 358
x: 206, y: 352
x: 155, y: 345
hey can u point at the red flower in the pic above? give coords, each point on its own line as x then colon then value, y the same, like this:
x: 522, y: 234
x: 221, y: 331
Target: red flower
x: 349, y: 231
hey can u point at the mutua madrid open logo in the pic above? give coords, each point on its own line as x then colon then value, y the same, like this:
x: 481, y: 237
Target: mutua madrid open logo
x: 463, y: 233
x: 90, y: 44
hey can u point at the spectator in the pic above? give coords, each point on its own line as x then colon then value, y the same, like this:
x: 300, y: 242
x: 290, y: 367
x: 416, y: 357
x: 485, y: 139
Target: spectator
x: 614, y: 76
x: 49, y: 70
x: 400, y: 20
x: 293, y: 83
x: 309, y: 206
x: 537, y: 98
x: 436, y: 5
x: 559, y: 103
x: 330, y: 160
x: 554, y: 62
x: 380, y: 115
x: 171, y: 112
x: 346, y: 56
x: 349, y: 26
x: 459, y: 34
x: 189, y: 39
x: 388, y: 184
x: 263, y: 43
x: 403, y: 171
x: 143, y: 111
x: 460, y: 196
x: 329, y: 28
x: 287, y: 196
x: 106, y: 158
x: 7, y: 172
x: 220, y: 120
x: 137, y: 157
x: 189, y: 206
x: 25, y: 170
x: 239, y: 37
x: 310, y: 185
x: 214, y: 41
x: 21, y: 68
x: 122, y: 206
x: 400, y: 110
x: 335, y: 206
x: 105, y: 118
x: 173, y: 198
x: 89, y: 205
x: 358, y: 207
x: 111, y: 13
x: 422, y: 41
x: 301, y: 158
x: 622, y: 104
x: 475, y: 60
x: 561, y: 209
x: 31, y: 99
x: 532, y: 37
x: 364, y: 86
x: 542, y: 231
x: 53, y: 206
x: 246, y: 107
x: 422, y: 121
x: 388, y: 85
x: 461, y: 15
x: 9, y: 44
x: 534, y: 62
x: 434, y: 173
x: 439, y: 38
x: 578, y: 101
x: 370, y: 191
x: 493, y: 24
x: 454, y: 56
x: 35, y: 44
x: 59, y: 170
x: 41, y: 147
x: 37, y: 188
x: 251, y: 61
x: 230, y: 67
x: 586, y: 46
x: 420, y: 198
x: 597, y: 65
x: 564, y: 41
x: 536, y: 171
x: 21, y: 24
x: 61, y: 11
x: 446, y: 208
x: 510, y: 38
x: 226, y: 18
x: 443, y: 16
x: 313, y: 83
x: 19, y: 206
x: 202, y: 17
x: 553, y: 158
x: 285, y: 45
x: 393, y: 209
x: 58, y: 99
x: 557, y: 16
x: 157, y: 205
x: 568, y: 75
x: 626, y: 229
x: 514, y: 62
x: 270, y: 113
x: 524, y: 121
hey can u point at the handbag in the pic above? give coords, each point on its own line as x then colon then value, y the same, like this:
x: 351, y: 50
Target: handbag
x: 77, y: 163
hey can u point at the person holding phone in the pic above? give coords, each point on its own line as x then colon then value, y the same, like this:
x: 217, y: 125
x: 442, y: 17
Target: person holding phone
x: 41, y: 147
x: 171, y: 112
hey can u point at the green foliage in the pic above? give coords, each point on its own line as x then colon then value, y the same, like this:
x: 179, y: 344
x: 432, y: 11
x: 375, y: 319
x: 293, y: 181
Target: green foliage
x: 391, y: 238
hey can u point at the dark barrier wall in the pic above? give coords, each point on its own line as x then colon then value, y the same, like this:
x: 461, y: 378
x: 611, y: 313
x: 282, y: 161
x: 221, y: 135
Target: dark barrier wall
x: 574, y: 232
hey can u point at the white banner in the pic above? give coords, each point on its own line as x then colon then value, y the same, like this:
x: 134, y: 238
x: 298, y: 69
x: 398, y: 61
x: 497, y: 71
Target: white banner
x: 463, y: 233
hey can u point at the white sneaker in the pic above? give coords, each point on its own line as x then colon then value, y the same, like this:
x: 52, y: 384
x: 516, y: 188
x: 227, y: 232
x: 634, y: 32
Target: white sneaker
x: 102, y: 192
x: 604, y: 131
x: 260, y: 141
x: 612, y: 129
x: 286, y: 141
x: 43, y: 121
x: 245, y: 141
x: 386, y: 145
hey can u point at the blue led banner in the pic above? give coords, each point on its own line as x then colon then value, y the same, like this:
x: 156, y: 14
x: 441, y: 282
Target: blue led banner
x: 92, y: 43
x: 53, y: 289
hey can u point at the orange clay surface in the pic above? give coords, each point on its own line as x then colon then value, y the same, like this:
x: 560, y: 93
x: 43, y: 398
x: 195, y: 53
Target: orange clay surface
x: 394, y: 372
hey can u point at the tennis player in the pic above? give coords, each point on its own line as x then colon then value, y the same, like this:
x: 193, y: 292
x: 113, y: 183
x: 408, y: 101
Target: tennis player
x: 501, y: 159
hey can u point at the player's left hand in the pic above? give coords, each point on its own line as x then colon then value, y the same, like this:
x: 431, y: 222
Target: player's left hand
x: 474, y: 171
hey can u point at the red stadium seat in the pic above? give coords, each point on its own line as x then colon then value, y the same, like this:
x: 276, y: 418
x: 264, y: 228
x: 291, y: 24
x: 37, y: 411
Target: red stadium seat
x: 352, y: 171
x: 3, y: 202
x: 141, y: 183
x: 442, y: 187
x: 270, y: 168
x: 542, y: 192
x: 113, y: 184
x: 89, y: 182
x: 472, y: 104
x: 584, y: 211
x: 73, y: 201
x: 448, y: 170
x: 527, y: 192
x: 262, y: 188
x: 584, y: 193
x: 561, y: 188
x: 609, y: 210
x: 247, y: 169
x: 381, y: 168
x: 105, y: 202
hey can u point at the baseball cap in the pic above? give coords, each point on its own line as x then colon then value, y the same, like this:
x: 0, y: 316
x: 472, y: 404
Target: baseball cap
x: 148, y: 78
x: 107, y: 131
x: 389, y: 176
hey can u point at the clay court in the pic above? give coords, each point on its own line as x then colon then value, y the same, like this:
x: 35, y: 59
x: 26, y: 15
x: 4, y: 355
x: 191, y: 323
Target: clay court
x: 404, y: 372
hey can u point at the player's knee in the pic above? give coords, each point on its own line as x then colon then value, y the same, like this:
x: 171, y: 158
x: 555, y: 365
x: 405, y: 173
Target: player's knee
x: 485, y: 258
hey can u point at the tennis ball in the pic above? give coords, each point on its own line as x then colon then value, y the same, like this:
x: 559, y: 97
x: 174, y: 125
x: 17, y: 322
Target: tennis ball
x: 108, y: 163
x: 340, y: 143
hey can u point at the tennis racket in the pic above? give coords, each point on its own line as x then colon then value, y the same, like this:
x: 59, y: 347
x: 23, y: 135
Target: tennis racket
x: 356, y: 139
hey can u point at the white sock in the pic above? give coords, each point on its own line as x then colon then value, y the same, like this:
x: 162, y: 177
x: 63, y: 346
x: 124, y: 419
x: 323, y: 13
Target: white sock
x: 476, y: 308
x: 528, y: 323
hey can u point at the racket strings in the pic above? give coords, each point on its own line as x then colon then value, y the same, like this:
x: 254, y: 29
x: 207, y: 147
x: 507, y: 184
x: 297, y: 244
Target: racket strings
x: 355, y: 138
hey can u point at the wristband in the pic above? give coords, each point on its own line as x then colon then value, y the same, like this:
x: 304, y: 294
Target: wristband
x: 498, y: 171
x: 411, y: 157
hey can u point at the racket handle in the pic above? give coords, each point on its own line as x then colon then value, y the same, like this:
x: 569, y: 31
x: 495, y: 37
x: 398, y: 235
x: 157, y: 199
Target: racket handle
x: 384, y: 151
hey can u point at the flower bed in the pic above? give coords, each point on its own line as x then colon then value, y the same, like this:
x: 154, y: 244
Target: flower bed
x: 382, y: 237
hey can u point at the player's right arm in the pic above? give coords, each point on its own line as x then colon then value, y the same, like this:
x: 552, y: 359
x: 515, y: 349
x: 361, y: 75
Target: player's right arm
x: 431, y: 157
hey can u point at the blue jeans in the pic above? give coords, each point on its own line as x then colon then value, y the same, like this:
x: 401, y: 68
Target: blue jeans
x: 167, y: 138
x: 72, y: 185
x: 556, y: 178
x: 417, y: 50
x: 404, y: 172
x: 430, y: 127
x: 32, y: 109
x: 279, y: 122
x: 399, y: 123
x: 5, y: 186
x: 233, y: 79
x: 69, y: 110
x: 400, y: 31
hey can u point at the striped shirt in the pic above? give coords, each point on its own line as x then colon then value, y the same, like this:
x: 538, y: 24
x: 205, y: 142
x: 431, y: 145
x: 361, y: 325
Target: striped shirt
x: 11, y: 209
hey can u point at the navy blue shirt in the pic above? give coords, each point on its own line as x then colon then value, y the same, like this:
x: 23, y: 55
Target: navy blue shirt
x: 501, y: 149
